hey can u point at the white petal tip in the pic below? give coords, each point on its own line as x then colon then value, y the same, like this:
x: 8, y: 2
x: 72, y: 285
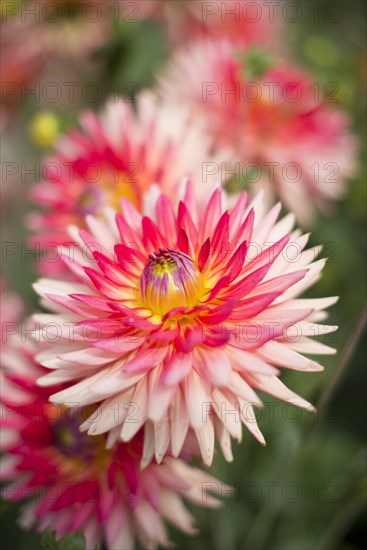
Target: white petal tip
x: 56, y: 399
x: 44, y: 383
x: 144, y: 463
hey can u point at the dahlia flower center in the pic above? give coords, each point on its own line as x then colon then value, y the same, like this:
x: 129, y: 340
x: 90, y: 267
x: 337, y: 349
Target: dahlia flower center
x: 71, y: 442
x: 111, y: 184
x: 170, y: 279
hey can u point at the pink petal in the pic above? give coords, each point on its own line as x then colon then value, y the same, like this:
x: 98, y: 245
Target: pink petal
x: 185, y: 222
x: 221, y: 234
x: 236, y: 216
x: 204, y: 254
x: 178, y: 366
x: 103, y: 285
x: 235, y: 264
x: 152, y: 234
x: 212, y: 214
x: 179, y: 422
x: 219, y: 314
x: 145, y: 360
x: 273, y: 386
x: 165, y: 216
x: 253, y: 306
x: 182, y: 241
x: 247, y: 284
x: 216, y: 366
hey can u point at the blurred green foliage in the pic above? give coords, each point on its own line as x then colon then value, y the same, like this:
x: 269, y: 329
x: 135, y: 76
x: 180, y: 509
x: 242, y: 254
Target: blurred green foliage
x: 73, y: 541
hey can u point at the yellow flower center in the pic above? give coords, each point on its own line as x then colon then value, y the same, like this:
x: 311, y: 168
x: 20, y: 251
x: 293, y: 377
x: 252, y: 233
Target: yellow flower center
x: 76, y: 447
x: 105, y: 187
x: 170, y: 279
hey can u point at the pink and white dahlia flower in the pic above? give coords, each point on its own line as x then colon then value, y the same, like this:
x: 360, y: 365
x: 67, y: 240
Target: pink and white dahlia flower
x: 72, y: 481
x: 120, y: 153
x: 272, y: 115
x: 17, y: 352
x: 183, y: 314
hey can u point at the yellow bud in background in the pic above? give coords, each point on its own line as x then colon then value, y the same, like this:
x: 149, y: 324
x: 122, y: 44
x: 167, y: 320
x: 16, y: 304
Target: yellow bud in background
x: 44, y: 128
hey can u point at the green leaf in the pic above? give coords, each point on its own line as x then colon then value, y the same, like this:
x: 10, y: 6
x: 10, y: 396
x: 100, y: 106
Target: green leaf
x: 255, y: 62
x: 73, y: 541
x: 48, y: 540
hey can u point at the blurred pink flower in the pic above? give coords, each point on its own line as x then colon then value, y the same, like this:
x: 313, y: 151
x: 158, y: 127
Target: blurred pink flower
x: 47, y: 46
x: 272, y: 115
x: 66, y: 29
x: 19, y: 66
x: 184, y: 314
x: 120, y: 153
x: 16, y: 351
x: 72, y: 481
x: 241, y: 22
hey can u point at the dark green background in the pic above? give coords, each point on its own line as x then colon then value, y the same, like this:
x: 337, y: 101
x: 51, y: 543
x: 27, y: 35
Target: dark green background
x: 315, y: 463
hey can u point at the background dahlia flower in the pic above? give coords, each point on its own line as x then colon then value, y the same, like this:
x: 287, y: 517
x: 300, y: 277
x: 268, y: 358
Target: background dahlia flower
x: 63, y: 29
x: 19, y: 67
x: 11, y: 311
x: 240, y: 22
x: 73, y: 482
x: 183, y: 314
x: 271, y: 115
x: 120, y: 153
x: 51, y: 50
